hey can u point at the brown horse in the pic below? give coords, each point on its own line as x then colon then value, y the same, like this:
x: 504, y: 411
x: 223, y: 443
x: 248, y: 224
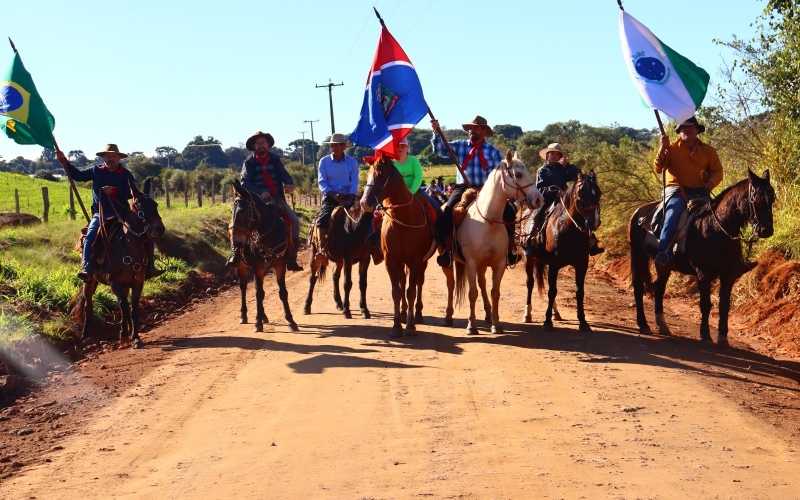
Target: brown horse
x: 258, y: 230
x: 125, y: 248
x: 567, y: 234
x: 346, y: 247
x: 712, y: 250
x: 407, y: 239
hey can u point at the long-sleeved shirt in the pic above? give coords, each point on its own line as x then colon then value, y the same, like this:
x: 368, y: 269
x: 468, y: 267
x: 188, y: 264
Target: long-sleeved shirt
x: 253, y: 175
x: 693, y: 168
x: 338, y: 176
x: 475, y: 173
x: 120, y: 179
x: 556, y: 175
x: 411, y: 171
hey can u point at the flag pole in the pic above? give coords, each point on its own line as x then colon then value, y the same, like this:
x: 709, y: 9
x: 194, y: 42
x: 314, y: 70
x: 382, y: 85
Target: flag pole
x: 441, y: 134
x: 664, y: 172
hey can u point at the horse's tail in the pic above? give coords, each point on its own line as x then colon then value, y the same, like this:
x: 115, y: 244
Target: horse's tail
x: 77, y: 306
x: 539, y: 269
x: 461, y: 282
x: 322, y: 273
x: 640, y: 261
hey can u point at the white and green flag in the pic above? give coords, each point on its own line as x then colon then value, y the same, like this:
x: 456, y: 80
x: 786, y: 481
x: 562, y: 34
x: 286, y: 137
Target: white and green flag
x: 666, y: 80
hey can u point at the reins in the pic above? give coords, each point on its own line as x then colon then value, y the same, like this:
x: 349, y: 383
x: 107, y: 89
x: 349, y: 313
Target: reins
x: 385, y: 209
x: 753, y: 217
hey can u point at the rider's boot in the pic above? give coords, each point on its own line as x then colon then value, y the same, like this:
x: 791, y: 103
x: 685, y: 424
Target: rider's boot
x: 444, y: 231
x: 234, y: 260
x: 321, y: 256
x: 152, y: 270
x: 594, y: 246
x: 86, y: 273
x: 372, y: 238
x: 292, y: 264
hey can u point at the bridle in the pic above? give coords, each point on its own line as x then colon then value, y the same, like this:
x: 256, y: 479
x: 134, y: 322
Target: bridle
x: 753, y: 218
x: 251, y: 230
x: 380, y: 208
x: 578, y: 203
x: 509, y: 169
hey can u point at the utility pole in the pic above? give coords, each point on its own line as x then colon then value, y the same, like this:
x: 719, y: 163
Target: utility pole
x: 303, y: 132
x: 330, y: 86
x: 313, y: 156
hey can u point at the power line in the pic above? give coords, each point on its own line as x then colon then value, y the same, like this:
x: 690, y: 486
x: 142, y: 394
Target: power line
x: 418, y: 19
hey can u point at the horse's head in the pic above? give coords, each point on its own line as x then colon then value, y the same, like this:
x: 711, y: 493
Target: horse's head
x: 243, y: 214
x: 761, y: 197
x: 146, y: 209
x: 587, y: 199
x: 380, y: 175
x: 517, y: 180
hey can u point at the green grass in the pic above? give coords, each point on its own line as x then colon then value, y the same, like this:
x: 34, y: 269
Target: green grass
x: 30, y: 196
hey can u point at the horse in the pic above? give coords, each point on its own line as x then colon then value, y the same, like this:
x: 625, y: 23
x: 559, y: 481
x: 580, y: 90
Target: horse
x: 407, y: 239
x: 567, y: 239
x: 123, y: 260
x: 483, y: 240
x: 346, y: 247
x: 259, y: 230
x: 712, y: 250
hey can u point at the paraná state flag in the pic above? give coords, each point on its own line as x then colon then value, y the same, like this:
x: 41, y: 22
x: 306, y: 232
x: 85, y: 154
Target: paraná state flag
x: 23, y: 115
x: 666, y: 80
x: 393, y: 100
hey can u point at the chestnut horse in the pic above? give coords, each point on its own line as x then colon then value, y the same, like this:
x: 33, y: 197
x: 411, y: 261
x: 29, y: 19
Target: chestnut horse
x: 567, y: 234
x: 483, y: 240
x: 713, y: 250
x: 259, y: 231
x: 407, y: 239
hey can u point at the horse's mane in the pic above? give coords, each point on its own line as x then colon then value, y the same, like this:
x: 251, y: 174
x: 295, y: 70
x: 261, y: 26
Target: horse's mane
x: 718, y: 199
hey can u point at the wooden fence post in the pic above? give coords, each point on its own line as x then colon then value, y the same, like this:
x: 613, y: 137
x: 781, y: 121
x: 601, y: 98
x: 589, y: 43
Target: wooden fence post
x: 16, y: 200
x: 71, y: 205
x: 46, y: 200
x: 186, y: 198
x: 225, y: 192
x: 212, y: 190
x: 166, y: 193
x: 199, y: 195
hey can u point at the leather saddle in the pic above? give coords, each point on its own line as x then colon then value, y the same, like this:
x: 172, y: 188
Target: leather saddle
x: 110, y: 230
x: 653, y: 225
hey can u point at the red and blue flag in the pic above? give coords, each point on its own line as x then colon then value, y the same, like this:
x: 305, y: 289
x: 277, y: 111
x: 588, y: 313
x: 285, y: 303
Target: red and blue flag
x: 393, y: 100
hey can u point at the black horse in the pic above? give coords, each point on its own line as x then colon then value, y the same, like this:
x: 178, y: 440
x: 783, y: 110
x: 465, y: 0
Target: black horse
x: 259, y: 231
x: 346, y: 247
x: 123, y: 247
x: 713, y: 250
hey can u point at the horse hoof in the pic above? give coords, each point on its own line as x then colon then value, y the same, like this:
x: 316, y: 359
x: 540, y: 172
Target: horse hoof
x: 487, y: 320
x: 307, y: 311
x: 645, y: 330
x: 497, y: 329
x: 339, y: 307
x: 472, y: 330
x: 137, y: 344
x: 411, y: 332
x: 418, y: 320
x: 293, y: 327
x: 584, y: 327
x: 447, y: 322
x: 258, y: 328
x: 365, y: 314
x: 243, y: 321
x: 348, y: 315
x: 557, y: 316
x: 547, y: 326
x: 722, y: 342
x: 527, y: 319
x: 397, y: 332
x: 665, y: 332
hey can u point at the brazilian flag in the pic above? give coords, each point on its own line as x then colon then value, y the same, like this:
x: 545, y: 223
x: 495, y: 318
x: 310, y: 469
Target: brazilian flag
x: 23, y: 115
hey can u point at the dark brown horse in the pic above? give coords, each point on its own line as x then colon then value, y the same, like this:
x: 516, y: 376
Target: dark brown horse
x: 713, y: 250
x: 346, y: 247
x: 567, y: 234
x: 407, y: 240
x: 259, y: 231
x: 125, y: 245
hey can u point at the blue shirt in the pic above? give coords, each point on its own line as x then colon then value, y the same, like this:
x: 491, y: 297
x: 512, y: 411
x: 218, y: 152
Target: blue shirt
x: 338, y: 176
x: 101, y: 176
x: 475, y: 173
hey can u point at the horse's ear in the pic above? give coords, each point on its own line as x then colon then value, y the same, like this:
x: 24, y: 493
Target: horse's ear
x: 752, y: 175
x: 509, y: 157
x: 765, y: 175
x: 134, y: 190
x: 148, y: 185
x: 517, y: 156
x: 237, y: 187
x: 592, y: 174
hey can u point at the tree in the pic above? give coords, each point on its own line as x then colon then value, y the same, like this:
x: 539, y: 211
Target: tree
x: 511, y: 132
x: 236, y: 156
x: 77, y: 158
x: 201, y: 150
x: 143, y: 167
x: 45, y: 175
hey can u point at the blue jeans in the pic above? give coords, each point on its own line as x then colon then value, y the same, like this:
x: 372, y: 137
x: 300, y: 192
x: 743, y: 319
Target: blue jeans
x: 672, y: 213
x: 91, y: 236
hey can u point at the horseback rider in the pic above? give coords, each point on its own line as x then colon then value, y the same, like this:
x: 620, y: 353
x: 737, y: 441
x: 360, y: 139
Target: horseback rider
x: 479, y: 159
x: 689, y: 163
x: 556, y: 171
x: 111, y: 183
x: 264, y: 175
x: 338, y: 183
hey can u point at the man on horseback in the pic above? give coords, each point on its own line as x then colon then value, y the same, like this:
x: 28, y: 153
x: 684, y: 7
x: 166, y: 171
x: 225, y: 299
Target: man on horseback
x: 338, y: 183
x: 111, y: 183
x: 556, y: 171
x: 263, y: 174
x: 693, y: 170
x: 479, y: 159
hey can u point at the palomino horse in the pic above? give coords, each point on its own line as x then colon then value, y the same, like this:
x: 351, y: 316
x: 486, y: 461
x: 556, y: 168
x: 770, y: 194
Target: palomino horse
x: 125, y: 260
x: 258, y: 229
x: 483, y: 240
x: 346, y: 247
x: 407, y: 239
x: 567, y: 234
x: 712, y: 250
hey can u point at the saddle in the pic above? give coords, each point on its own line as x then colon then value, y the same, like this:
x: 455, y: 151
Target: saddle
x: 652, y: 226
x: 112, y: 227
x: 460, y: 210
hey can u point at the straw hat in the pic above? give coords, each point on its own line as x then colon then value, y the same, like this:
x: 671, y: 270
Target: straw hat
x: 481, y: 122
x: 336, y: 139
x: 554, y: 147
x: 251, y: 142
x: 111, y: 148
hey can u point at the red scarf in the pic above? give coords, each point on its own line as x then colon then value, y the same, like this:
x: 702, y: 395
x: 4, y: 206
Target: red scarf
x: 471, y: 155
x: 268, y: 178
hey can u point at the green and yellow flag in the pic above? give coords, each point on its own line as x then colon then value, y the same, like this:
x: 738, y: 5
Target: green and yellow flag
x: 23, y: 115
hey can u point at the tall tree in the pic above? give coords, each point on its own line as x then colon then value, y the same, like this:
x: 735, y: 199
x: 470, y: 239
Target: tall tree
x: 201, y: 150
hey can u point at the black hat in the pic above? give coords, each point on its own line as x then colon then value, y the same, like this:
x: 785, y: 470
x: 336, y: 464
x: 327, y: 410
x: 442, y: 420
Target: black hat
x: 691, y: 121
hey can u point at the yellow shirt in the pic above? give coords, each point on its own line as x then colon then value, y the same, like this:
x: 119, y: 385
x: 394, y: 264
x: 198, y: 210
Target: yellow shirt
x: 693, y: 168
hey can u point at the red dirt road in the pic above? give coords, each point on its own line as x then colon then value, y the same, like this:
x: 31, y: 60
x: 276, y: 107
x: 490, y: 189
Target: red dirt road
x: 210, y: 409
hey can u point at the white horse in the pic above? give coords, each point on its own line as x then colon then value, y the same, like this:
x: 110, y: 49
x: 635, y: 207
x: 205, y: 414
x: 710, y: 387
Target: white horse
x: 483, y: 240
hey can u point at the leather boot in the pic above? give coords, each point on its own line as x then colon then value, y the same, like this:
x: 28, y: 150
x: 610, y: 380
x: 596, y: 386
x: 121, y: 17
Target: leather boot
x: 321, y: 256
x: 292, y: 264
x: 234, y: 260
x: 594, y: 246
x: 86, y: 273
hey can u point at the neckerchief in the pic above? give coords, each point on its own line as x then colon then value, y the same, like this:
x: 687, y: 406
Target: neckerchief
x: 476, y: 147
x: 267, y: 178
x: 119, y: 169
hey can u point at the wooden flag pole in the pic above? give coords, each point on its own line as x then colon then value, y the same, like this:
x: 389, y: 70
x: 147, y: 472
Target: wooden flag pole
x: 664, y: 172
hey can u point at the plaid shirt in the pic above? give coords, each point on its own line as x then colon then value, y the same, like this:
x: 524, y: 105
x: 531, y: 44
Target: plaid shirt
x: 475, y: 173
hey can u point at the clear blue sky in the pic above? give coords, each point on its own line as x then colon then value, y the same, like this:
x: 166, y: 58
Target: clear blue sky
x: 150, y: 73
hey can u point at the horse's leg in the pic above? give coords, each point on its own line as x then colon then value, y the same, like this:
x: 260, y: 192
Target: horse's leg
x: 497, y: 276
x: 337, y: 297
x: 122, y: 297
x: 403, y: 299
x: 397, y: 277
x: 472, y: 278
x: 659, y: 287
x: 348, y: 284
x: 411, y: 296
x: 529, y: 282
x: 88, y: 306
x: 241, y: 272
x: 725, y: 287
x: 552, y: 291
x: 451, y: 285
x: 638, y: 295
x: 704, y: 286
x: 487, y: 306
x: 261, y: 317
x: 580, y: 280
x: 283, y: 293
x: 136, y: 293
x: 556, y: 314
x: 363, y: 266
x: 312, y: 280
x: 418, y: 320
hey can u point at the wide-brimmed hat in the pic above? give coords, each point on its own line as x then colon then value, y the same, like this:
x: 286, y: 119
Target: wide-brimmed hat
x: 111, y: 148
x: 481, y: 122
x: 336, y: 139
x: 551, y: 148
x: 251, y: 142
x: 691, y: 121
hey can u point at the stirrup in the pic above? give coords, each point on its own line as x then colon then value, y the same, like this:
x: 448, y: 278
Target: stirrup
x: 662, y: 259
x: 85, y: 274
x: 513, y: 258
x: 445, y: 260
x: 292, y: 265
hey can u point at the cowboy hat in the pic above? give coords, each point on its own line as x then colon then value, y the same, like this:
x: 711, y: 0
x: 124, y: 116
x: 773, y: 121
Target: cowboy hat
x: 551, y: 148
x: 691, y: 121
x: 480, y: 122
x: 336, y: 139
x: 251, y: 142
x: 111, y: 148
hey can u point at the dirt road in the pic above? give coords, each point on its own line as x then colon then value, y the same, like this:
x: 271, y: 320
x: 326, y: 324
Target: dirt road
x: 210, y: 409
